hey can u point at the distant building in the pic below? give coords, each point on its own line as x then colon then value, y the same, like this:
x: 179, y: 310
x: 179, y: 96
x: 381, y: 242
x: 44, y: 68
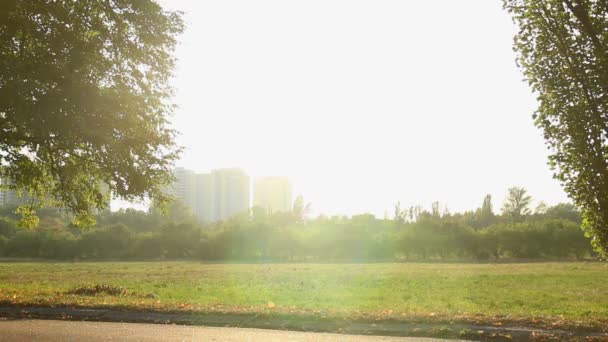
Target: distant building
x: 10, y: 197
x: 231, y: 193
x: 273, y: 194
x: 215, y: 196
x: 184, y: 187
x: 205, y: 206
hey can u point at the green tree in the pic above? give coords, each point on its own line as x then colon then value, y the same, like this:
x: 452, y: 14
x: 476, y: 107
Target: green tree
x: 486, y: 206
x: 517, y: 204
x: 485, y: 214
x: 435, y: 209
x: 399, y: 215
x: 564, y: 211
x: 84, y: 101
x: 563, y: 51
x: 541, y: 209
x: 300, y: 210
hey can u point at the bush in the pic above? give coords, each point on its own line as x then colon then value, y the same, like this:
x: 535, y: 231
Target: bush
x: 137, y: 235
x: 7, y: 227
x: 3, y: 245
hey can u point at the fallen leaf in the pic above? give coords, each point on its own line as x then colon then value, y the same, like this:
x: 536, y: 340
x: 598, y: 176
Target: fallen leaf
x: 271, y: 305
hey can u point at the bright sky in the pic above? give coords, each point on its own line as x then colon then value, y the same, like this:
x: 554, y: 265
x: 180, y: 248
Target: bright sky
x: 361, y: 103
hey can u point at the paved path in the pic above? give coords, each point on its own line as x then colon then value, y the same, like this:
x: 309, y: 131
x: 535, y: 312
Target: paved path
x: 50, y: 331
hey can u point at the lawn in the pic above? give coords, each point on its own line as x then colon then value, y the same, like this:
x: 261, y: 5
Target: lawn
x: 568, y: 292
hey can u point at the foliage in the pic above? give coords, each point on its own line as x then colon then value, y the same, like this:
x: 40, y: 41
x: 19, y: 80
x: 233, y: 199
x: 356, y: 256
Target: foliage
x: 486, y: 212
x: 300, y: 209
x: 132, y: 234
x: 517, y: 204
x: 563, y: 50
x: 564, y: 211
x: 7, y: 226
x: 84, y: 101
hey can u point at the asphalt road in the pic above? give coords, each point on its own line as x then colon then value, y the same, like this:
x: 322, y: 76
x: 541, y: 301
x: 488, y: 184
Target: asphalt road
x: 47, y: 330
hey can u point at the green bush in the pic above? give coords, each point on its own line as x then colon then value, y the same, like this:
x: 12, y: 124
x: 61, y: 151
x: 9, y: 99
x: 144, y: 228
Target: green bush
x: 136, y: 235
x: 3, y: 245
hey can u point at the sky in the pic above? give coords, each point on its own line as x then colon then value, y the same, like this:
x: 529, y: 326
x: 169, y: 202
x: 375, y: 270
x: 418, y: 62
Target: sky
x: 361, y: 103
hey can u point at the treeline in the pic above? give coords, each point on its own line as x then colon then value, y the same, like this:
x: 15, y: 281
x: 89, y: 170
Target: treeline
x: 412, y: 234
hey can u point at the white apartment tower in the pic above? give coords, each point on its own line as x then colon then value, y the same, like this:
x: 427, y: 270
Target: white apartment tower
x: 231, y: 193
x: 215, y: 196
x: 183, y: 188
x: 273, y: 194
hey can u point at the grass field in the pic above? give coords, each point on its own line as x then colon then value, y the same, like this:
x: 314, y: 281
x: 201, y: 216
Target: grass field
x: 569, y: 292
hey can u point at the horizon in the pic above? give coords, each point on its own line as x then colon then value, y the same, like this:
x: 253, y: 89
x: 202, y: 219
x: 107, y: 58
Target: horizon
x: 497, y: 204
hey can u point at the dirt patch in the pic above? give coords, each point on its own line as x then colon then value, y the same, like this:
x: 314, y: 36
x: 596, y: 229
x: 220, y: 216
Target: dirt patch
x: 108, y: 290
x: 99, y: 289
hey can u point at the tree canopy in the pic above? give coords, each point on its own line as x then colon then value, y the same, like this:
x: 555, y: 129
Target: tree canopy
x: 517, y: 204
x: 85, y: 99
x: 563, y: 51
x: 284, y: 236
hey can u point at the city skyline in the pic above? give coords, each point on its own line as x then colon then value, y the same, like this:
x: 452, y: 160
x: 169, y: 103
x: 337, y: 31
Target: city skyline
x: 219, y: 194
x: 288, y: 189
x: 213, y: 196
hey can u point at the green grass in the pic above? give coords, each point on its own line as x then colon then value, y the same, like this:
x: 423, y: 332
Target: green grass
x: 572, y: 292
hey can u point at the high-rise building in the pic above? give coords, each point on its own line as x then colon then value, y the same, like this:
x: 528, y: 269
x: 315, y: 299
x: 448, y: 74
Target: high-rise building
x: 205, y: 206
x: 273, y: 194
x: 3, y: 193
x: 214, y: 196
x: 231, y: 193
x: 10, y: 197
x: 183, y: 188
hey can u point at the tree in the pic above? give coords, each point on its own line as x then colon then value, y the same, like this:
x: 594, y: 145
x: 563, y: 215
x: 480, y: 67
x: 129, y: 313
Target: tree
x: 541, y: 209
x: 563, y: 51
x: 399, y: 215
x: 486, y: 212
x: 435, y: 209
x: 564, y: 211
x: 84, y: 101
x: 484, y: 216
x: 300, y: 210
x: 486, y: 207
x: 517, y: 204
